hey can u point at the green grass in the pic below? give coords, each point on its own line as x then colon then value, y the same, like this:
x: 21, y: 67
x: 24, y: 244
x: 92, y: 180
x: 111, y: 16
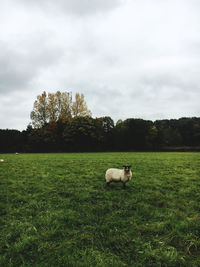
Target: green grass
x: 55, y: 210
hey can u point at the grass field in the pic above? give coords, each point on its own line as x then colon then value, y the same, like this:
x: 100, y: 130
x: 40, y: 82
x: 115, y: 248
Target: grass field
x: 55, y: 210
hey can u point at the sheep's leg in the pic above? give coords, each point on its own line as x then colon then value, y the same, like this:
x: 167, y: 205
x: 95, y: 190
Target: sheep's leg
x: 108, y: 183
x: 124, y: 185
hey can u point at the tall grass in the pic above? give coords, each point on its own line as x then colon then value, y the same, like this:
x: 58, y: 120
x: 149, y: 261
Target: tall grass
x: 55, y: 210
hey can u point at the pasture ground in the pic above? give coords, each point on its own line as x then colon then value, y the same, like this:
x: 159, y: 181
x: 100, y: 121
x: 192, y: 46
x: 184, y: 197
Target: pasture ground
x: 55, y: 210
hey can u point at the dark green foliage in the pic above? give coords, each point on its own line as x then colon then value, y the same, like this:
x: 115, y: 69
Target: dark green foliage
x: 11, y: 141
x: 182, y: 132
x: 82, y: 134
x: 132, y: 134
x: 55, y: 210
x: 86, y: 134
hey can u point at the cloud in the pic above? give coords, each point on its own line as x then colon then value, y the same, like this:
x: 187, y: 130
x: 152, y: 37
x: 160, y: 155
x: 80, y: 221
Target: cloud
x: 76, y: 7
x: 130, y: 58
x: 23, y: 61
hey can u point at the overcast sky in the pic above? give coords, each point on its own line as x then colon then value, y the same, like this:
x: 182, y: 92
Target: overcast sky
x: 130, y: 58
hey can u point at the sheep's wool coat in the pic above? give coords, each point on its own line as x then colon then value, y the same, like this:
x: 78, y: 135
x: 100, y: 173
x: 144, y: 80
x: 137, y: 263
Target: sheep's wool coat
x: 117, y: 175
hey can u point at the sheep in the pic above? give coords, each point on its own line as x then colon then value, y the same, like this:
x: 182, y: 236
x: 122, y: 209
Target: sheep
x: 119, y: 175
x: 1, y: 160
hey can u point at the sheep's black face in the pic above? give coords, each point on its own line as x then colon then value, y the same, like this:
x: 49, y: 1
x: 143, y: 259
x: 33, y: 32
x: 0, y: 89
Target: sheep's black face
x: 127, y: 169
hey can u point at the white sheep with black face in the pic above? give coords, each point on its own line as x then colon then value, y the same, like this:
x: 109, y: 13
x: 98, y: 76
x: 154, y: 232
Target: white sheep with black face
x: 119, y: 175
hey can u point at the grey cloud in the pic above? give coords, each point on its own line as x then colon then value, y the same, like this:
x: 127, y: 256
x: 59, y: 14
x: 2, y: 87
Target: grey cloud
x: 15, y: 110
x: 13, y: 75
x: 21, y: 63
x: 88, y: 6
x: 77, y: 7
x: 167, y: 96
x: 140, y: 60
x: 186, y: 82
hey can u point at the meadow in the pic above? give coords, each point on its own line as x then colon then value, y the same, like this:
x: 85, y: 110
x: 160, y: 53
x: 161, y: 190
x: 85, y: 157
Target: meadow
x: 56, y: 210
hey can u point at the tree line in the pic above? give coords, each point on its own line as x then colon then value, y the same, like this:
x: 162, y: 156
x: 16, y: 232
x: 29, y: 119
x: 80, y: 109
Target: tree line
x: 101, y: 134
x: 60, y: 124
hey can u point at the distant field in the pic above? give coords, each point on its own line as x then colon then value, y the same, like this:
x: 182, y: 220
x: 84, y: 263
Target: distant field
x: 55, y: 210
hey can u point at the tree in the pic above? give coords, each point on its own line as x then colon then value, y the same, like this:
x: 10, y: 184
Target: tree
x: 40, y: 113
x: 79, y: 107
x: 52, y: 107
x: 57, y: 107
x: 132, y: 134
x: 64, y: 105
x: 152, y: 138
x: 11, y: 141
x: 108, y: 124
x: 106, y: 127
x: 81, y: 134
